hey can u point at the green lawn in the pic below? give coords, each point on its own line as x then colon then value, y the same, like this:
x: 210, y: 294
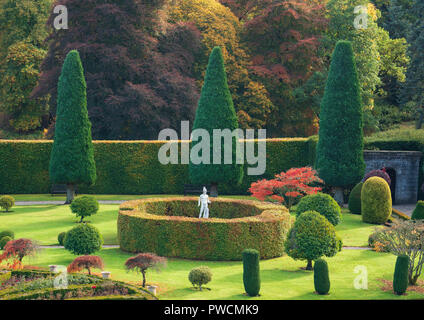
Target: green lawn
x: 281, y: 278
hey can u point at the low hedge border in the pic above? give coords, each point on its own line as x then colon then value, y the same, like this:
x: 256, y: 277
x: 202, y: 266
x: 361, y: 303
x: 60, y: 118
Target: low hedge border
x: 134, y: 292
x: 203, y: 239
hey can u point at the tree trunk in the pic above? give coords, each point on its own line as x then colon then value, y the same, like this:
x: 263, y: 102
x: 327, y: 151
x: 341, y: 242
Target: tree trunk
x: 309, y: 265
x: 338, y: 196
x: 214, y: 190
x: 89, y: 271
x: 70, y: 193
x: 144, y: 278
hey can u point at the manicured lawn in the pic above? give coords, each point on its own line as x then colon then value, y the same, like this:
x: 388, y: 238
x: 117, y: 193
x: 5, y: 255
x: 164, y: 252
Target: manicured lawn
x: 281, y: 278
x: 44, y: 223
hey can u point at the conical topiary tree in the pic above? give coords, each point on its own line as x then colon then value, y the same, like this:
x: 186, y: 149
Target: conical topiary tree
x: 215, y: 111
x: 72, y: 157
x: 340, y: 162
x: 400, y: 277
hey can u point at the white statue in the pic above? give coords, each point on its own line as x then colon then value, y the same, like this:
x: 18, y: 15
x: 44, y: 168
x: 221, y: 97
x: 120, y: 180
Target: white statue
x: 203, y: 204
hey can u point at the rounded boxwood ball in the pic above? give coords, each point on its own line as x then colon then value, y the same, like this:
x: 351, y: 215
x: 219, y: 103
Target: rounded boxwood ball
x: 376, y: 201
x: 321, y: 277
x: 3, y: 241
x: 418, y: 212
x: 61, y: 238
x: 8, y: 233
x: 322, y: 203
x: 83, y: 239
x: 355, y: 199
x: 200, y: 276
x: 7, y: 202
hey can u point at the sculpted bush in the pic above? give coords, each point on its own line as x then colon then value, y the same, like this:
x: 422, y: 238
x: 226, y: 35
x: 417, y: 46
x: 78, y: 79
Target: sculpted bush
x: 200, y: 276
x: 376, y: 201
x: 322, y: 203
x: 83, y: 239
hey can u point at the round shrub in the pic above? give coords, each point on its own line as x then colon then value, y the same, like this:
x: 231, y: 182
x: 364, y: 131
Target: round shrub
x: 376, y: 201
x: 83, y: 239
x: 378, y: 173
x: 355, y: 199
x: 61, y: 238
x: 311, y: 237
x: 3, y: 241
x: 400, y: 277
x: 251, y: 274
x: 200, y: 276
x: 321, y: 277
x: 8, y: 233
x: 7, y: 202
x: 418, y: 212
x: 168, y: 227
x: 84, y: 206
x: 322, y: 203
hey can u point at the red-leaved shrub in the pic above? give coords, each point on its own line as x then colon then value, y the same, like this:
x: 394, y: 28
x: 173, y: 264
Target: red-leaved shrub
x: 16, y: 250
x: 144, y: 261
x: 85, y: 262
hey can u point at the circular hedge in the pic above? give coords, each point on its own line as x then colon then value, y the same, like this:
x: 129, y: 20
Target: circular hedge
x: 170, y: 227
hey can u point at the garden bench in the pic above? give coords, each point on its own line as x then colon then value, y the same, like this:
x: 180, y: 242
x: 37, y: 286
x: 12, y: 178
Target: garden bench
x: 195, y: 189
x: 59, y: 189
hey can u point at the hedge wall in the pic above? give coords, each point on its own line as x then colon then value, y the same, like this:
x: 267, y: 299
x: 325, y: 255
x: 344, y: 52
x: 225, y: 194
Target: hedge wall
x: 129, y: 167
x: 205, y: 239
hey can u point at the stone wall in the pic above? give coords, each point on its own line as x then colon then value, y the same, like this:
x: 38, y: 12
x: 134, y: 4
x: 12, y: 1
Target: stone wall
x: 406, y: 164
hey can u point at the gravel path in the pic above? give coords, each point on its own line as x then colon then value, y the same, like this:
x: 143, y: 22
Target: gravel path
x: 405, y: 208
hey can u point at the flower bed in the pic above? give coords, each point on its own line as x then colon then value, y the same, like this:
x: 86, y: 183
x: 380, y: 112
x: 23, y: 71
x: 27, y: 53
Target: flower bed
x: 170, y: 227
x: 39, y: 285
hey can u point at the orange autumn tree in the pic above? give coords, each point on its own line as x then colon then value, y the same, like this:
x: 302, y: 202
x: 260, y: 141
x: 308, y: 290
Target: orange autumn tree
x: 287, y: 187
x: 14, y: 251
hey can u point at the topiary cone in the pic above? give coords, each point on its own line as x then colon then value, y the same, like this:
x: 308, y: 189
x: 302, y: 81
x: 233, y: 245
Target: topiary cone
x: 251, y: 276
x: 418, y: 212
x: 400, y: 277
x: 321, y: 277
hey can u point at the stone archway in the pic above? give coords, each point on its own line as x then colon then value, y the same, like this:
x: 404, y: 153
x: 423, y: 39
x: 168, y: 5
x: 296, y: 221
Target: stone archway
x: 404, y: 166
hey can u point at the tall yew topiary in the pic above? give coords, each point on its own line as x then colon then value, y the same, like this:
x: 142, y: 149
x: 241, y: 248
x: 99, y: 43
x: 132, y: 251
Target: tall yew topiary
x: 321, y: 277
x: 340, y: 162
x: 215, y: 111
x: 251, y: 276
x: 72, y: 157
x: 400, y: 277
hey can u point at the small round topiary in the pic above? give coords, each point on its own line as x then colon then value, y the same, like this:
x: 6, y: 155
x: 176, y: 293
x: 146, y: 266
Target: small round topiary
x: 200, y: 276
x: 378, y: 173
x: 83, y: 239
x: 321, y: 277
x: 7, y: 202
x: 322, y: 203
x: 418, y: 212
x: 251, y: 274
x: 400, y: 277
x: 311, y: 237
x: 376, y: 201
x: 8, y: 233
x: 3, y: 241
x: 355, y: 199
x: 84, y: 206
x: 61, y: 238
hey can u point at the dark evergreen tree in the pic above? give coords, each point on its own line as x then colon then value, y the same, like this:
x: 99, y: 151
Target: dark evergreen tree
x: 340, y: 162
x: 321, y: 277
x: 216, y: 111
x: 251, y: 275
x: 72, y: 157
x: 400, y: 277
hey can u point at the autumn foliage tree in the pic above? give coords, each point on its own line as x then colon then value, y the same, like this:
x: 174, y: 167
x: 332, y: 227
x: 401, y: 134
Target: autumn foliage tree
x: 86, y: 262
x: 287, y: 187
x: 139, y: 70
x: 144, y: 261
x: 15, y: 250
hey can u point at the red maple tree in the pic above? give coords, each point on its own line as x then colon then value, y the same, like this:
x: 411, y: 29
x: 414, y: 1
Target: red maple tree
x: 85, y: 262
x: 15, y: 250
x: 287, y: 187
